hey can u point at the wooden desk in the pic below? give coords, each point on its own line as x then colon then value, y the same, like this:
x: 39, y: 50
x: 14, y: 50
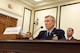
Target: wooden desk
x: 10, y: 37
x: 40, y: 46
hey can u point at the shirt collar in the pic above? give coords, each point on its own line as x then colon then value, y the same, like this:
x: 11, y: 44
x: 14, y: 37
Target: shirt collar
x: 69, y: 38
x: 50, y: 30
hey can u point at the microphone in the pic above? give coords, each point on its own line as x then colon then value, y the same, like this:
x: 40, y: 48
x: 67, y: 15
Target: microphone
x: 38, y: 29
x: 41, y: 27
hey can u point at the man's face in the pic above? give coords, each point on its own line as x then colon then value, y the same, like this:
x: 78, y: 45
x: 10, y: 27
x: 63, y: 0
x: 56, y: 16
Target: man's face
x: 49, y: 23
x: 28, y: 35
x: 69, y: 32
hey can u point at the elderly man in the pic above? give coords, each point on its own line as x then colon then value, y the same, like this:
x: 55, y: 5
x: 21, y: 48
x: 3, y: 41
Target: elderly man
x: 50, y: 31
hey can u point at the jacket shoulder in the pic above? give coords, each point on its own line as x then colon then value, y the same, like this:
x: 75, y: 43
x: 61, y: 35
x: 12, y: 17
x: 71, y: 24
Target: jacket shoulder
x: 60, y: 30
x: 43, y: 31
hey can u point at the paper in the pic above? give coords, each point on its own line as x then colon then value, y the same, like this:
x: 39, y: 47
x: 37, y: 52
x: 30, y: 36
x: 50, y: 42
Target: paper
x: 12, y: 30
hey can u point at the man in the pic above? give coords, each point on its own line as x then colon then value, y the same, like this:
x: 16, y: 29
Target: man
x: 50, y: 33
x: 70, y: 32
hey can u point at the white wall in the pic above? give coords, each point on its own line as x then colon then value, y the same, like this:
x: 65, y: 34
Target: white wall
x: 17, y: 9
x: 26, y: 20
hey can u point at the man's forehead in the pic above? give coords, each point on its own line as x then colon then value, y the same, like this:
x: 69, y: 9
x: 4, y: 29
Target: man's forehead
x: 49, y: 18
x: 69, y: 30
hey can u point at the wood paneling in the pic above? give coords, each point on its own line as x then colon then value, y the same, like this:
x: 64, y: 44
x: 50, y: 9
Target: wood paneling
x: 3, y: 23
x: 6, y: 21
x: 12, y: 22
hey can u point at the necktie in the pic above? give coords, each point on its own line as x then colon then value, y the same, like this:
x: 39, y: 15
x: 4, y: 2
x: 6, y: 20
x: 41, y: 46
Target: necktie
x: 48, y: 33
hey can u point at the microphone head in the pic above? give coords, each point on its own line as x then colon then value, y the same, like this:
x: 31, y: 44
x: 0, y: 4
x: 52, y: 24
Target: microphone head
x: 41, y: 27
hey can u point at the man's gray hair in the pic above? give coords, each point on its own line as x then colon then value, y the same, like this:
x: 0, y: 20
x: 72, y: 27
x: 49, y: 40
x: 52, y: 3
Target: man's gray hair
x: 53, y: 18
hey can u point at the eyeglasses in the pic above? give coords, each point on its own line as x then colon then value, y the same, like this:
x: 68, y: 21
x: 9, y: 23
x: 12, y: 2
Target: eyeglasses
x: 48, y: 20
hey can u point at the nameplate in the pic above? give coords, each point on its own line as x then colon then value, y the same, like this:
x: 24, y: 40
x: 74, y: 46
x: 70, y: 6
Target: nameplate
x: 12, y: 30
